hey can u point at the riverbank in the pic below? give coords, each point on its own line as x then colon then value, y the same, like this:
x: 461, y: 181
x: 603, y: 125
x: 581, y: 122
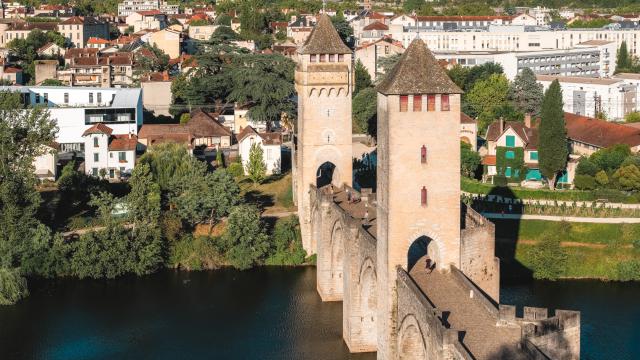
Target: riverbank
x: 576, y: 250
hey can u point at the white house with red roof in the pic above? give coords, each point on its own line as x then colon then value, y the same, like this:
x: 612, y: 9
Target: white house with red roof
x: 147, y: 19
x: 116, y: 154
x: 271, y: 144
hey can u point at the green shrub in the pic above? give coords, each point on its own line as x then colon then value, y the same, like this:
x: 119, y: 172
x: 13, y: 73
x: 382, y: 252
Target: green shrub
x: 628, y: 270
x: 584, y: 182
x: 548, y: 259
x: 636, y: 244
x: 13, y: 286
x: 235, y: 169
x: 499, y: 180
x: 194, y: 253
x: 287, y: 243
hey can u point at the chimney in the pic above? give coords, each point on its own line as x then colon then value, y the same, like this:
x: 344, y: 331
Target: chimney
x: 501, y: 122
x: 527, y: 120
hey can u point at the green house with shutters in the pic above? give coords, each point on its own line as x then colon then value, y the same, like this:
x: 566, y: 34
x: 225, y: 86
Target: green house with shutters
x: 512, y: 151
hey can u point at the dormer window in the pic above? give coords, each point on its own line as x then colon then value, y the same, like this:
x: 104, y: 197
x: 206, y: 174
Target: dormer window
x: 313, y: 58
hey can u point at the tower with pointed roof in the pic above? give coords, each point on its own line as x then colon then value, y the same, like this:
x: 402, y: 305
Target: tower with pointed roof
x: 418, y: 176
x: 322, y: 153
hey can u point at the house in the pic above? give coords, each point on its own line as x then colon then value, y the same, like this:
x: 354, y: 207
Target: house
x: 78, y: 29
x: 45, y: 69
x: 51, y: 49
x: 127, y: 7
x: 156, y: 93
x: 98, y: 43
x: 20, y: 30
x: 46, y: 165
x: 107, y: 70
x: 469, y: 130
x: 271, y: 144
x: 370, y: 53
x: 11, y: 74
x: 75, y: 109
x: 587, y: 135
x: 167, y: 40
x: 299, y: 29
x: 512, y: 151
x: 115, y: 155
x: 201, y: 32
x: 373, y: 32
x: 203, y: 130
x: 147, y: 19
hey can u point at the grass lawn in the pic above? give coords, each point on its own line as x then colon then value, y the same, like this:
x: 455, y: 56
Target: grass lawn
x: 273, y: 195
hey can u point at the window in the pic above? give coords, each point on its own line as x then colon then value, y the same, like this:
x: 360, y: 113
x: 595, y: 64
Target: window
x: 122, y: 156
x: 444, y: 102
x: 268, y: 154
x: 332, y: 58
x: 95, y: 142
x: 510, y: 154
x: 46, y: 98
x: 340, y: 57
x: 533, y: 155
x: 313, y: 58
x: 323, y: 58
x: 122, y: 170
x: 90, y: 98
x: 431, y: 103
x: 96, y: 157
x: 423, y: 196
x: 110, y: 155
x: 94, y: 171
x: 423, y: 154
x: 511, y: 141
x: 417, y: 102
x: 507, y: 172
x: 112, y: 173
x: 404, y: 103
x: 99, y: 98
x: 37, y: 98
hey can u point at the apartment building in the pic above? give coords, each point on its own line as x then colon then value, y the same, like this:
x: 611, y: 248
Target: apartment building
x: 109, y: 70
x: 147, y: 20
x: 590, y: 96
x: 76, y: 109
x: 20, y: 30
x: 128, y: 7
x: 77, y: 30
x: 370, y: 53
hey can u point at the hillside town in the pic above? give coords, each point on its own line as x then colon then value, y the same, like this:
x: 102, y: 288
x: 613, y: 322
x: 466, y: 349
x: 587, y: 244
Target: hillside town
x: 143, y: 135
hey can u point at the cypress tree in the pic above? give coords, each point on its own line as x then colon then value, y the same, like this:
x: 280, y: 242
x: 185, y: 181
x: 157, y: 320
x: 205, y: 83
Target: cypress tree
x: 552, y: 143
x: 623, y: 63
x: 362, y: 77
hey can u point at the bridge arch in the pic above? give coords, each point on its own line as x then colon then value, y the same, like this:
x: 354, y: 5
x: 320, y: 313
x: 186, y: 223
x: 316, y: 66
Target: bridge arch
x: 336, y: 265
x: 368, y: 301
x: 411, y: 340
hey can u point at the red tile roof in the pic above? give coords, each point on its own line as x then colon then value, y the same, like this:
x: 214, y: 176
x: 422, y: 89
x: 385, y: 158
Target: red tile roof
x: 123, y: 143
x: 466, y: 119
x: 376, y: 25
x: 98, y: 128
x: 463, y: 18
x: 489, y: 160
x: 150, y: 12
x: 97, y: 40
x: 600, y: 133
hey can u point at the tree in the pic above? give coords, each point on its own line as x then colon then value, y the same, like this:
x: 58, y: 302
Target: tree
x: 486, y: 97
x: 344, y: 29
x: 13, y: 286
x: 458, y: 75
x: 481, y: 72
x: 386, y: 64
x: 166, y: 162
x: 52, y: 82
x: 219, y: 158
x: 154, y: 60
x: 287, y: 243
x: 469, y: 160
x: 609, y: 159
x: 587, y: 167
x: 184, y: 118
x: 602, y: 178
x: 632, y: 117
x: 256, y: 168
x: 552, y: 143
x: 362, y: 78
x: 526, y: 93
x: 548, y: 258
x: 623, y: 62
x: 245, y: 242
x: 627, y: 177
x: 265, y: 82
x: 144, y: 200
x: 364, y: 110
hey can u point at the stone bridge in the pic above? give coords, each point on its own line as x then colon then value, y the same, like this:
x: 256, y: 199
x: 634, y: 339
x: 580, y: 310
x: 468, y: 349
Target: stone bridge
x: 438, y: 314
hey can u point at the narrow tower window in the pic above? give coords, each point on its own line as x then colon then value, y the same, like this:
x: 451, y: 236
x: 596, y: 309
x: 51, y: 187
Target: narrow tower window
x: 423, y: 154
x: 404, y: 103
x: 340, y: 57
x: 323, y: 58
x: 444, y: 102
x: 417, y: 102
x: 431, y: 103
x: 332, y: 58
x: 313, y: 58
x: 423, y: 196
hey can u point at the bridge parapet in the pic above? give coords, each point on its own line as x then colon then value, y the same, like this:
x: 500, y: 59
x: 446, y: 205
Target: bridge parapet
x: 556, y: 337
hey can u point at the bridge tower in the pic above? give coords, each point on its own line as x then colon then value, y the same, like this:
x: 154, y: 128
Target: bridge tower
x: 322, y: 152
x: 418, y: 177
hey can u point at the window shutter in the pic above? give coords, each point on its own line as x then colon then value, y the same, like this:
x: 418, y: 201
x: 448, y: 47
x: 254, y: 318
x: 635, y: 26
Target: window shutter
x: 404, y: 103
x: 444, y: 102
x: 417, y: 103
x: 431, y: 103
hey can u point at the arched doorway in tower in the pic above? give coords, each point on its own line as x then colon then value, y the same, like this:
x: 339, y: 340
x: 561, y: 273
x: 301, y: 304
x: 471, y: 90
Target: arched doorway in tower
x: 420, y: 248
x: 326, y: 174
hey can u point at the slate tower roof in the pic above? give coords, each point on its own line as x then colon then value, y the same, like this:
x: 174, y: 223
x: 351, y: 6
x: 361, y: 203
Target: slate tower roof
x: 417, y: 72
x: 324, y: 39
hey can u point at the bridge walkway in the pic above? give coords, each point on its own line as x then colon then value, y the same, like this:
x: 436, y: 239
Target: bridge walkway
x: 481, y: 336
x: 356, y: 208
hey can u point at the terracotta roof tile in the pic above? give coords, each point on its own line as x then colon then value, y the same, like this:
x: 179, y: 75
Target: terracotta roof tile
x: 600, y: 133
x: 417, y: 72
x: 98, y: 128
x: 204, y: 124
x: 376, y: 25
x: 123, y: 143
x: 489, y: 160
x: 324, y: 39
x: 466, y: 119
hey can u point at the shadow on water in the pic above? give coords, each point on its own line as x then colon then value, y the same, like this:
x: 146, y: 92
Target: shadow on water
x: 507, y: 232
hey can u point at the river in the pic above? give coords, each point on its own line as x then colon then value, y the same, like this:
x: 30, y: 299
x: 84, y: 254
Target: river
x: 266, y: 313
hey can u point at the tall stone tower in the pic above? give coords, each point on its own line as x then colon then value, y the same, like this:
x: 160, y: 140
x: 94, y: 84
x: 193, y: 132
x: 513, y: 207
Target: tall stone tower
x: 322, y: 147
x: 418, y: 175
